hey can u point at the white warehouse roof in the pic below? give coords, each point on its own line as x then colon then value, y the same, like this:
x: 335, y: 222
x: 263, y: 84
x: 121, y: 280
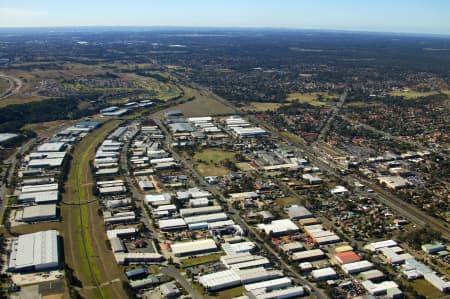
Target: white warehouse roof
x: 194, y: 247
x: 39, y: 188
x: 37, y: 251
x: 279, y: 226
x: 357, y: 267
x: 233, y: 248
x: 168, y: 224
x: 51, y: 147
x: 199, y: 211
x: 39, y: 213
x: 39, y: 197
x: 292, y: 292
x: 268, y: 285
x: 220, y: 280
x: 206, y: 218
x: 378, y: 245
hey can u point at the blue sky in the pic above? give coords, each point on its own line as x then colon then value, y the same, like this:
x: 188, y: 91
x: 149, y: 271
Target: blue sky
x: 413, y: 16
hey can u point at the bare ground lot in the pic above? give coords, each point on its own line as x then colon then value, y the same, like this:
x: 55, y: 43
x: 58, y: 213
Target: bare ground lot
x: 204, y: 104
x: 209, y: 162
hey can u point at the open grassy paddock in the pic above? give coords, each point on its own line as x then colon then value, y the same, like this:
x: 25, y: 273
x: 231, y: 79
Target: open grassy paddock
x: 261, y: 107
x: 226, y: 293
x: 411, y: 94
x: 200, y: 260
x: 286, y: 201
x: 83, y: 230
x: 424, y: 288
x: 209, y: 162
x: 294, y: 137
x: 312, y: 98
x: 4, y: 85
x: 49, y: 126
x: 244, y: 166
x: 204, y: 104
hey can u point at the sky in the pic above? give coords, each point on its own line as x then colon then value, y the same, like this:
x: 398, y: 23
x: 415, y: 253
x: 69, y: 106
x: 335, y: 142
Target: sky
x: 409, y: 16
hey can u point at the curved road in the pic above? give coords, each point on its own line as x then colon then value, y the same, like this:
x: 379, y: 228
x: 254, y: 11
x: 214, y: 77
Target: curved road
x: 15, y: 84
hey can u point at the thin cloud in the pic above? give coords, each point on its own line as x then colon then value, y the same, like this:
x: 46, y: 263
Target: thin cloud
x: 15, y: 17
x: 9, y: 12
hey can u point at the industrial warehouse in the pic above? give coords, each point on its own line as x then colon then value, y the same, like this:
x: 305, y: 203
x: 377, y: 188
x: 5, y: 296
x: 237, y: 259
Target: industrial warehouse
x: 35, y: 252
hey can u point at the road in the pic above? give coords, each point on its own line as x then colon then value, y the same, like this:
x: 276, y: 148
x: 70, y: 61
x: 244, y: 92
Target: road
x: 234, y: 215
x: 327, y: 126
x: 136, y: 193
x: 15, y: 84
x: 173, y: 272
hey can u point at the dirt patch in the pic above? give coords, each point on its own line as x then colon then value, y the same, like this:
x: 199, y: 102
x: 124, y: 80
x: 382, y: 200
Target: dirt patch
x: 204, y: 104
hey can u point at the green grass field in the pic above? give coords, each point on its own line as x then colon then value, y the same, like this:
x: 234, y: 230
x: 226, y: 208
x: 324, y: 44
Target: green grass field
x: 312, y: 98
x: 286, y: 201
x: 4, y: 85
x: 293, y: 137
x: 261, y: 107
x: 203, y: 104
x: 412, y: 94
x: 214, y: 155
x: 200, y: 260
x: 209, y: 162
x: 424, y: 288
x: 244, y: 166
x: 227, y: 293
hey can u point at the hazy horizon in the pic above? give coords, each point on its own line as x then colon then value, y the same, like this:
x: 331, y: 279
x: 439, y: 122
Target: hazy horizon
x: 411, y: 17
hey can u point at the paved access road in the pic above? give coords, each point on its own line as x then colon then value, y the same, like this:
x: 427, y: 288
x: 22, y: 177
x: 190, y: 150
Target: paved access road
x: 173, y: 272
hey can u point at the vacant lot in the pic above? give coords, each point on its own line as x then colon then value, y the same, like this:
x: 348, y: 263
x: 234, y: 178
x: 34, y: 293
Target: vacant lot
x: 244, y: 166
x: 204, y: 104
x: 4, y: 85
x: 210, y: 162
x: 227, y: 293
x: 261, y: 107
x: 49, y: 126
x: 424, y: 288
x: 293, y: 137
x: 411, y: 94
x: 189, y: 262
x: 286, y: 201
x: 313, y: 98
x: 85, y: 246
